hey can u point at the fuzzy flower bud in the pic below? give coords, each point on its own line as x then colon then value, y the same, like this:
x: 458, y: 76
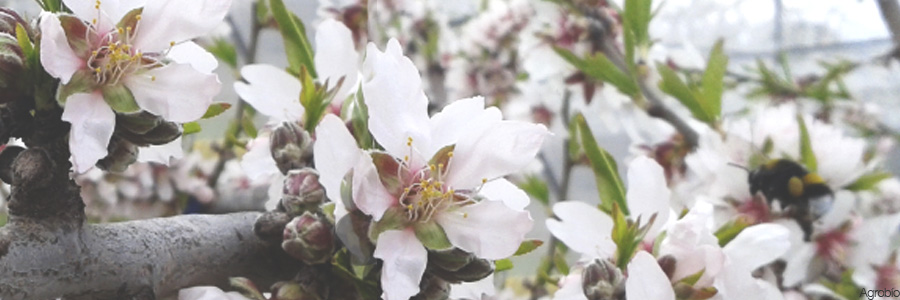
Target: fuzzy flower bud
x: 603, y: 280
x: 309, y: 238
x: 302, y: 191
x: 289, y: 146
x: 291, y: 291
x: 12, y: 59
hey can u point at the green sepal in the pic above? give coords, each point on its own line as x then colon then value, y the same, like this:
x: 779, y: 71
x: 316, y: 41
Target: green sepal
x: 120, y: 98
x: 388, y: 167
x: 76, y: 34
x: 82, y: 82
x: 393, y: 218
x: 432, y: 235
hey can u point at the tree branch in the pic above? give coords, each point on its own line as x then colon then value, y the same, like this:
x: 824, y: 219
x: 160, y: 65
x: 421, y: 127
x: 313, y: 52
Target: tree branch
x: 139, y: 259
x: 890, y: 12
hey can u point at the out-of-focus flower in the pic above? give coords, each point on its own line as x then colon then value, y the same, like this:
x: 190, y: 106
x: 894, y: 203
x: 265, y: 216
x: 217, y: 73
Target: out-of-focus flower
x: 438, y: 182
x: 123, y: 57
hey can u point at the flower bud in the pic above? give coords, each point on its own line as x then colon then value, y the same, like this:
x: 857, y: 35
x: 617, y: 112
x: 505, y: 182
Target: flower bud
x: 288, y: 146
x: 450, y: 260
x: 246, y: 287
x: 291, y: 291
x: 162, y: 133
x: 121, y: 154
x: 603, y: 280
x: 432, y: 288
x: 12, y: 59
x: 302, y: 191
x: 309, y: 238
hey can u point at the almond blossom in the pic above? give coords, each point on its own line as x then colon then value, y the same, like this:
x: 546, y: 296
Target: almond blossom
x: 438, y: 183
x: 116, y: 56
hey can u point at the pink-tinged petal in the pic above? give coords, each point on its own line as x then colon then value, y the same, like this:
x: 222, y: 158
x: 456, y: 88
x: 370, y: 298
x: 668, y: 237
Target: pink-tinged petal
x: 176, y: 92
x: 502, y: 190
x: 738, y: 284
x: 646, y: 280
x: 473, y: 290
x: 648, y: 193
x: 571, y: 287
x: 487, y: 229
x: 583, y: 228
x: 404, y: 263
x: 92, y: 126
x: 336, y: 57
x: 258, y: 163
x: 503, y: 148
x: 194, y: 55
x: 398, y: 109
x: 872, y: 248
x: 57, y: 56
x: 757, y: 245
x: 460, y: 118
x: 163, y: 154
x: 110, y: 12
x: 271, y: 91
x: 691, y: 242
x: 335, y: 153
x: 167, y: 21
x: 369, y: 193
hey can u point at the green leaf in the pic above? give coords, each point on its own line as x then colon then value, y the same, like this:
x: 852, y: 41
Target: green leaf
x: 502, y: 265
x: 637, y: 16
x: 806, y: 153
x: 712, y: 81
x: 559, y: 260
x: 224, y: 51
x: 190, y: 128
x: 24, y: 41
x: 216, y: 109
x: 535, y: 187
x: 120, y: 98
x: 868, y: 181
x: 360, y: 122
x: 693, y: 278
x: 528, y: 246
x: 673, y: 85
x: 730, y: 230
x: 606, y: 172
x: 601, y: 68
x: 249, y: 128
x: 296, y: 44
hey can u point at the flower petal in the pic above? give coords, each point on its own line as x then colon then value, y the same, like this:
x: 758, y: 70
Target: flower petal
x: 176, y: 92
x: 398, y: 109
x: 335, y: 153
x: 57, y: 56
x: 191, y: 53
x: 503, y: 148
x: 648, y: 193
x: 92, y: 126
x: 163, y: 154
x: 109, y: 14
x: 460, y: 118
x: 369, y: 193
x: 487, y: 229
x: 207, y: 293
x: 336, y: 57
x: 271, y: 91
x: 797, y: 267
x: 584, y: 228
x: 502, y: 190
x: 757, y: 245
x: 258, y: 163
x: 571, y: 287
x: 646, y: 280
x: 404, y: 263
x: 167, y: 21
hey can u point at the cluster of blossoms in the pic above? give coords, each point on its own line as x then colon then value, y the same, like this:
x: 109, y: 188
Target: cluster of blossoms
x: 373, y: 177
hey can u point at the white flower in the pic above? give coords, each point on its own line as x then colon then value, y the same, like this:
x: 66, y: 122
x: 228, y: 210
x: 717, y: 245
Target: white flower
x: 208, y: 293
x: 124, y: 57
x: 426, y: 188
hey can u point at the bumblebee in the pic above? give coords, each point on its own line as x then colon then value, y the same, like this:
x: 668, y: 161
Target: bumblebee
x: 802, y: 194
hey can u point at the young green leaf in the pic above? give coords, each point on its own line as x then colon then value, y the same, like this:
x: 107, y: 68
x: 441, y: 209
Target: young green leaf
x: 559, y: 260
x: 691, y: 98
x: 868, y: 181
x: 190, y: 128
x: 224, y: 51
x: 249, y: 128
x: 528, y: 246
x: 601, y: 68
x: 606, y: 173
x: 806, y: 153
x: 296, y: 44
x: 712, y: 81
x: 216, y: 109
x: 502, y: 265
x: 536, y: 188
x: 637, y: 15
